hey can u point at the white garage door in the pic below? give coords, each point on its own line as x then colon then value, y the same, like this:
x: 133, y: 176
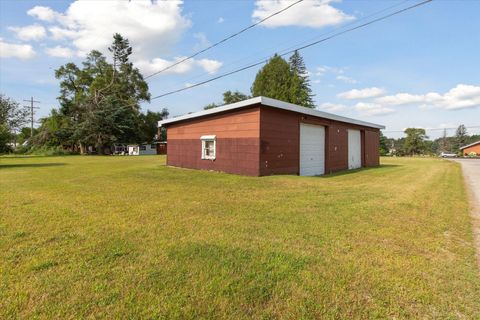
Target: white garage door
x: 354, y: 149
x: 312, y: 150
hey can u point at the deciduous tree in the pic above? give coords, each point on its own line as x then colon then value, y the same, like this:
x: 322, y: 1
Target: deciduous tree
x: 12, y: 118
x: 414, y: 141
x: 102, y: 100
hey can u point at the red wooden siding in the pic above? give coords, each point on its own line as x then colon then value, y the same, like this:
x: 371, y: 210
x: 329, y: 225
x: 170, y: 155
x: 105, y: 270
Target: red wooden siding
x: 262, y: 140
x: 280, y: 139
x: 279, y: 142
x: 237, y: 142
x: 372, y: 144
x: 161, y: 148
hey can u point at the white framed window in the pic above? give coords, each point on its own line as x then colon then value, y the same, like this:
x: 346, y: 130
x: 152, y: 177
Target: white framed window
x: 209, y: 145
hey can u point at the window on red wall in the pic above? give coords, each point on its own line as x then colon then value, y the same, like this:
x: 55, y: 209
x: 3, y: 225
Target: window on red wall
x: 209, y: 145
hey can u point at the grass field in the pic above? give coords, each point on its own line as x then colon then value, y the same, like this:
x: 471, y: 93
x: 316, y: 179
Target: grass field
x: 128, y: 237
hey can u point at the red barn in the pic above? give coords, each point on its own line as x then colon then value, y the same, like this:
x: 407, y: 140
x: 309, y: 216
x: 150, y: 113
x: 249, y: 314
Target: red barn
x: 262, y: 136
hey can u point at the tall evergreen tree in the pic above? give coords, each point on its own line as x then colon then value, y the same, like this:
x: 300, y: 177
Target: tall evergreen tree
x: 301, y: 92
x: 286, y: 81
x: 120, y: 50
x: 274, y: 80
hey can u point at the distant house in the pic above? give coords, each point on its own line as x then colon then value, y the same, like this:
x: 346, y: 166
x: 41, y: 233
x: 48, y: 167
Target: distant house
x: 142, y: 149
x: 471, y: 148
x: 120, y: 149
x: 262, y: 136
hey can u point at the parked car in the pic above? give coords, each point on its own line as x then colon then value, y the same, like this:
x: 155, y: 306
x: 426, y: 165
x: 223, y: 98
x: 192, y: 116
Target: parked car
x: 448, y: 155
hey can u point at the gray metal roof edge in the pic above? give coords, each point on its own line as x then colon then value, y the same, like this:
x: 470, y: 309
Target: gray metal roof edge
x: 271, y: 103
x: 469, y: 145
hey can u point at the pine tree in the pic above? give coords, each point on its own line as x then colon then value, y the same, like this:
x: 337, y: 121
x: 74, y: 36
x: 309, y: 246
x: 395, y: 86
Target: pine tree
x: 120, y: 50
x: 286, y: 81
x: 301, y: 93
x: 274, y: 80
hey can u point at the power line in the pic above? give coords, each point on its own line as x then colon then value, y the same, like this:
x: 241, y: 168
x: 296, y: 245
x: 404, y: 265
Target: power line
x: 255, y: 54
x: 223, y: 40
x: 299, y: 48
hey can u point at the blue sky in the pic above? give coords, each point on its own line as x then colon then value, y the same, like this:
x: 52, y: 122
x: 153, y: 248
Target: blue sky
x: 420, y: 68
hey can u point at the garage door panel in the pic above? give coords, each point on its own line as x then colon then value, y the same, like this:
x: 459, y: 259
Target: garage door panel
x: 312, y: 150
x: 354, y: 149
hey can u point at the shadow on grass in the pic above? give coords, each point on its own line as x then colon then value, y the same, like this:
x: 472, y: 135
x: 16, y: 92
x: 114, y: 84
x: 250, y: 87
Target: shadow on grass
x: 31, y: 165
x: 6, y: 156
x: 346, y: 172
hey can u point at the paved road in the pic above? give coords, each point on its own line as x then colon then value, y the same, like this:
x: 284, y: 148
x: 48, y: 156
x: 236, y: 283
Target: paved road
x: 471, y: 172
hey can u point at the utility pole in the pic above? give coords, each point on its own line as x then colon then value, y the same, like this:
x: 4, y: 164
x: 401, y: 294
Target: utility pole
x: 32, y: 113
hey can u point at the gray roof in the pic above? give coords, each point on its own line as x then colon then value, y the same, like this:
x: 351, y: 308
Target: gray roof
x: 270, y: 103
x: 469, y: 145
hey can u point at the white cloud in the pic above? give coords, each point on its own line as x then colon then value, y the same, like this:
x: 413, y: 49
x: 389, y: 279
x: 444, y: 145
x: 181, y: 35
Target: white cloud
x: 221, y: 20
x: 202, y: 41
x: 322, y: 70
x: 27, y: 33
x: 361, y: 93
x: 11, y: 50
x: 211, y: 66
x: 332, y: 107
x: 150, y: 66
x: 462, y: 96
x: 59, y: 52
x: 346, y: 79
x: 59, y: 33
x: 43, y: 13
x: 312, y: 13
x: 152, y: 27
x: 399, y: 99
x: 373, y: 109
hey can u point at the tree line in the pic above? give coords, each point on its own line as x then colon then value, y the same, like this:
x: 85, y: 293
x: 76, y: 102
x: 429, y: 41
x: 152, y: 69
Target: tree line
x: 416, y: 142
x: 99, y: 106
x: 99, y: 103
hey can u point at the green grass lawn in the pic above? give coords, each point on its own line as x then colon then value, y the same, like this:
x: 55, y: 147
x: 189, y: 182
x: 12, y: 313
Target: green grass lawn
x: 128, y: 237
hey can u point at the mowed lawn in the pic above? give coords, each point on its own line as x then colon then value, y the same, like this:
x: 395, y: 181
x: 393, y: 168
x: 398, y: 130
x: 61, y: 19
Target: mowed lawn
x: 128, y: 237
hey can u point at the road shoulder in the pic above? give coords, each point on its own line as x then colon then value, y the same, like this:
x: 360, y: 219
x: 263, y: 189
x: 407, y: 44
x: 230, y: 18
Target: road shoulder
x: 471, y: 177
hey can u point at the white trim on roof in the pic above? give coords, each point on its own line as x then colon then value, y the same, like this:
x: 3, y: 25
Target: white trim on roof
x: 469, y: 145
x: 271, y: 103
